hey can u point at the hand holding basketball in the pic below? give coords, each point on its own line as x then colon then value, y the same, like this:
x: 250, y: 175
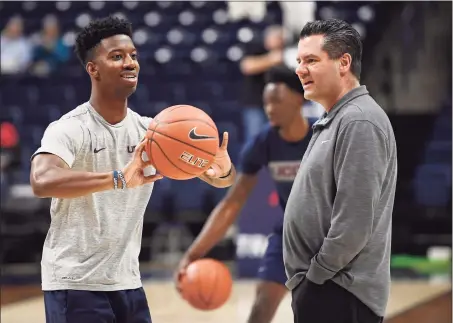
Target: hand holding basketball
x: 133, y: 172
x: 181, y: 271
x: 222, y: 162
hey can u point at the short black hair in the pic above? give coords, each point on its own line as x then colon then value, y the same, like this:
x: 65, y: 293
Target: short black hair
x: 96, y: 31
x: 283, y: 74
x: 339, y: 38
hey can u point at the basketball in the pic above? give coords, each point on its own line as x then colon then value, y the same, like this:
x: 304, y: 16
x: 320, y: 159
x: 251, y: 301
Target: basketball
x: 183, y: 142
x: 207, y: 284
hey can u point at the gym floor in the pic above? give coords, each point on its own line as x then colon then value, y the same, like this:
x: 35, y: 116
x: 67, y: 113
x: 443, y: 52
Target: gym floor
x: 410, y: 302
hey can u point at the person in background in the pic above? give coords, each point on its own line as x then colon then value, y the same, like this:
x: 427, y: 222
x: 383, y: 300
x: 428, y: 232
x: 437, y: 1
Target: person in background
x: 258, y: 59
x: 16, y: 49
x: 279, y: 147
x: 50, y: 51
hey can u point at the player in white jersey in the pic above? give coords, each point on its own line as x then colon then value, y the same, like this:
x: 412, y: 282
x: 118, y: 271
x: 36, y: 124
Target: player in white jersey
x: 92, y: 164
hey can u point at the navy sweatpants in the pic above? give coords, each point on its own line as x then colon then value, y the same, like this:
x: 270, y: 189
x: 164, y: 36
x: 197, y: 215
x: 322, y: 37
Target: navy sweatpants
x: 75, y: 306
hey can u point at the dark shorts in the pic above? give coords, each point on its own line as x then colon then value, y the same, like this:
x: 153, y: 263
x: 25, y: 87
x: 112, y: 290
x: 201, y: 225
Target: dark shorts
x: 76, y: 306
x: 272, y: 267
x: 329, y: 303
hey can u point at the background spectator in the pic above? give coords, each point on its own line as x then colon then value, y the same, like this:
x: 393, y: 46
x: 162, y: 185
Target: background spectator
x: 15, y: 48
x: 50, y: 51
x: 259, y: 57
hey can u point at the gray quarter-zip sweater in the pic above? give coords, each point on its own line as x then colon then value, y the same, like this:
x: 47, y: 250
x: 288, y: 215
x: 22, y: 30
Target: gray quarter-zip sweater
x: 338, y: 218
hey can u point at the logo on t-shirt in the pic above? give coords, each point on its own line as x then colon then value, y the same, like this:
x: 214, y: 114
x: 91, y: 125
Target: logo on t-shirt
x: 98, y: 150
x: 284, y: 171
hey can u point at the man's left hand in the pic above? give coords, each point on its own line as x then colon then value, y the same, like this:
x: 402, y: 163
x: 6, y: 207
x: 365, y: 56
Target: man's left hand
x: 222, y: 162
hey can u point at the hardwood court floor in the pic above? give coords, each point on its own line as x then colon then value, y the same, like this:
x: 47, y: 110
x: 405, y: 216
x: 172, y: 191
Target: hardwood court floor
x: 167, y: 307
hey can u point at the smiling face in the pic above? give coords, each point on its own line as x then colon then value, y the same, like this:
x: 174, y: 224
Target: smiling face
x: 320, y: 75
x: 114, y: 66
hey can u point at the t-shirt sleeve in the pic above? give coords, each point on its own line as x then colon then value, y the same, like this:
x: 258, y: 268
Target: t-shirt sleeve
x: 253, y: 155
x: 63, y: 138
x: 145, y: 121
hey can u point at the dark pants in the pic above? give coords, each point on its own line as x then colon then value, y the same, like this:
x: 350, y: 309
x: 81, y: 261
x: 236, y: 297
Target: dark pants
x: 272, y: 267
x: 75, y: 306
x: 329, y: 303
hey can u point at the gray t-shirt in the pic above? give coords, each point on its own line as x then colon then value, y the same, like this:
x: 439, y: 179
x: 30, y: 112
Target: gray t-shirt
x: 94, y: 241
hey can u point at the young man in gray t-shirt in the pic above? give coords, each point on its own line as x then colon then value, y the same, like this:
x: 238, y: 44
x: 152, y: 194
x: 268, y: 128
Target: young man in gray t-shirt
x: 92, y: 164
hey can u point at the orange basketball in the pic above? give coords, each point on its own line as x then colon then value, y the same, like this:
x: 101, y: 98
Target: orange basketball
x: 183, y: 141
x: 207, y: 284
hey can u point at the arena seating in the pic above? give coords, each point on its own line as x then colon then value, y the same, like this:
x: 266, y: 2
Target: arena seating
x: 432, y: 182
x: 189, y: 53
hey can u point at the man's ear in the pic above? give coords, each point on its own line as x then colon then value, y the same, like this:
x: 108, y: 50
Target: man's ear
x: 92, y: 70
x: 345, y: 63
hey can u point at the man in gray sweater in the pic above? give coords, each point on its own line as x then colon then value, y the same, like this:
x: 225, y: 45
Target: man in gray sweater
x: 338, y: 219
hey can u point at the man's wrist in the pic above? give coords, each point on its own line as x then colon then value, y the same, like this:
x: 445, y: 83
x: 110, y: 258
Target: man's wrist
x: 193, y: 255
x: 118, y: 180
x: 227, y: 174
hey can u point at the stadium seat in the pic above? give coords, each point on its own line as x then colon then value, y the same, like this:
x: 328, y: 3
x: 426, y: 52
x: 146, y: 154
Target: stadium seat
x: 432, y: 185
x: 189, y: 199
x: 443, y: 126
x: 159, y: 205
x: 231, y: 128
x: 438, y: 152
x: 14, y: 114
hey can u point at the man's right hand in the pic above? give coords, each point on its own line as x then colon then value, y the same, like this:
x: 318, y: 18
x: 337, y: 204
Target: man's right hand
x: 217, y: 224
x: 133, y: 172
x: 181, y: 271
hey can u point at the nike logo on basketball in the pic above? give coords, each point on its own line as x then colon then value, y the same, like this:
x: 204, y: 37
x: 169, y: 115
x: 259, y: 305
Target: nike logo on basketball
x: 194, y: 136
x: 98, y: 150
